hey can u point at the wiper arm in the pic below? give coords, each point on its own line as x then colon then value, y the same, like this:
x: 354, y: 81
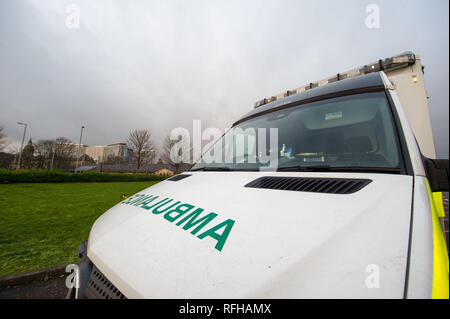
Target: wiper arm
x: 300, y: 168
x: 224, y: 169
x: 328, y: 168
x: 366, y: 169
x: 211, y: 169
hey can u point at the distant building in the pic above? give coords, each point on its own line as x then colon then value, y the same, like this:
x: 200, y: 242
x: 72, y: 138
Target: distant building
x: 96, y: 152
x: 118, y: 151
x: 115, y: 152
x: 80, y: 147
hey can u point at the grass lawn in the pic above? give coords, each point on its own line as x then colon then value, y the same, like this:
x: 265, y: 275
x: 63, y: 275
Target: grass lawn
x: 41, y: 225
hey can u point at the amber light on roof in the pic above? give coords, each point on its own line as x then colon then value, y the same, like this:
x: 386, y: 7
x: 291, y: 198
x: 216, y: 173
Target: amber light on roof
x: 388, y: 64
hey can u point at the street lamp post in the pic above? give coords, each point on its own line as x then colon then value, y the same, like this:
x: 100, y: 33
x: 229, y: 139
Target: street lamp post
x: 23, y: 139
x: 79, y: 145
x: 53, y: 156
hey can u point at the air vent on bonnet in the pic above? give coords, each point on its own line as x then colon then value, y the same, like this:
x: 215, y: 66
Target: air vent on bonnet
x: 308, y: 184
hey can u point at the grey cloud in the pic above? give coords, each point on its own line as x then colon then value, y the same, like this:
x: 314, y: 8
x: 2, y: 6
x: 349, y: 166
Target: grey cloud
x: 161, y: 64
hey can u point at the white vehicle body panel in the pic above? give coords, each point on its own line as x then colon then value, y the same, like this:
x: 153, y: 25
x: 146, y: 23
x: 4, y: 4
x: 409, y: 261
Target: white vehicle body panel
x: 421, y: 256
x: 284, y: 244
x: 412, y: 147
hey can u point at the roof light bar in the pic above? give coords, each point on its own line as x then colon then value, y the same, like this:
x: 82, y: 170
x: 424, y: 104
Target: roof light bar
x: 388, y: 64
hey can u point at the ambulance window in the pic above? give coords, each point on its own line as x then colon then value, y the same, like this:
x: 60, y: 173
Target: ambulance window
x: 350, y: 131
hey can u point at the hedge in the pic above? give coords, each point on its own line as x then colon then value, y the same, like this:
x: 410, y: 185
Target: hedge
x: 57, y: 176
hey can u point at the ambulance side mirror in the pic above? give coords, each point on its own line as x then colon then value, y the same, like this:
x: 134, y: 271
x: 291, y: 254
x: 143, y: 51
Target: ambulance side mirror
x: 437, y: 174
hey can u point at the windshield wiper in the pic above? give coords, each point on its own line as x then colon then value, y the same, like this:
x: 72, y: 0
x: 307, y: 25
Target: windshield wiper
x: 394, y: 170
x: 211, y: 169
x: 224, y: 169
x: 300, y: 168
x: 327, y: 168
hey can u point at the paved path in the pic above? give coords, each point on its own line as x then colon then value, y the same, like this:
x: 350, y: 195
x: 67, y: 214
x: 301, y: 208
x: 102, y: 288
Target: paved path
x: 51, y: 289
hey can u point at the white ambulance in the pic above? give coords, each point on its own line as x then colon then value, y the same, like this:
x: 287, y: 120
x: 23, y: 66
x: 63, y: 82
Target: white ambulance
x: 351, y: 209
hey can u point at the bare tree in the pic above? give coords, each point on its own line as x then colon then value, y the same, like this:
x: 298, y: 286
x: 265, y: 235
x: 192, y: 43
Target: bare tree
x: 28, y: 155
x: 2, y: 138
x: 6, y: 160
x: 65, y: 151
x: 44, y: 150
x: 149, y: 156
x: 179, y: 158
x: 140, y: 141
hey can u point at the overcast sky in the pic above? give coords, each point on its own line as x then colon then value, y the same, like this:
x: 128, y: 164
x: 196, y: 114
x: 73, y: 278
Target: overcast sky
x: 160, y: 64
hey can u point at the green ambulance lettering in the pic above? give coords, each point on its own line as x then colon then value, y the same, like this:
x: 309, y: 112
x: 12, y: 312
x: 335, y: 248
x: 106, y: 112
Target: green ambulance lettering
x: 149, y: 207
x: 145, y: 201
x: 179, y: 211
x: 132, y: 198
x: 191, y: 220
x: 221, y: 238
x: 157, y: 211
x: 139, y: 200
